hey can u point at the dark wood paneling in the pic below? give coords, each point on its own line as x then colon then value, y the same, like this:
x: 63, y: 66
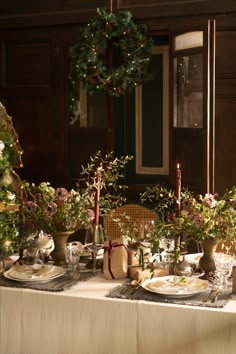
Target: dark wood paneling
x: 225, y: 144
x: 39, y: 137
x: 51, y: 12
x: 34, y: 62
x: 160, y: 8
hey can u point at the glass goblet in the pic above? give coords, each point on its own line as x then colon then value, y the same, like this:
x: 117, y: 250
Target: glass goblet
x: 224, y: 264
x: 94, y: 240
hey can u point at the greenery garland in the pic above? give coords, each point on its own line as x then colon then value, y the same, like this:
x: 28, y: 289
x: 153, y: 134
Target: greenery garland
x: 10, y: 149
x: 118, y: 30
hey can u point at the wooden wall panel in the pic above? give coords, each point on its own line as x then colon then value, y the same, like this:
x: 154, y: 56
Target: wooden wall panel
x: 50, y: 12
x: 159, y: 8
x: 225, y: 144
x: 225, y: 110
x: 33, y: 60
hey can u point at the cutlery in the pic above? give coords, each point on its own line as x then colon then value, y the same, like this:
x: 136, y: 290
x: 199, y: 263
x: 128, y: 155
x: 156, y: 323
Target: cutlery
x: 135, y: 289
x: 133, y: 284
x: 209, y: 295
x: 216, y: 295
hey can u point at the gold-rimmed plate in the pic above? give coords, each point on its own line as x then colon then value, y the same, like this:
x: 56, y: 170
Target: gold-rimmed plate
x: 175, y: 286
x: 35, y: 274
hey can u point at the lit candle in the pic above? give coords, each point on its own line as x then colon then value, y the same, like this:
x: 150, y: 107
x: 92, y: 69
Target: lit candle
x: 178, y: 189
x: 97, y: 196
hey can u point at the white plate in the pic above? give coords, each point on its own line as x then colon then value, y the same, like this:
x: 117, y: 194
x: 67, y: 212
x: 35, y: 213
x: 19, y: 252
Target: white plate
x: 52, y: 273
x: 175, y: 286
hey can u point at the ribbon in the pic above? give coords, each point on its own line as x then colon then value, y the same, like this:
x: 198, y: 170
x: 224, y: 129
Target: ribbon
x: 110, y: 249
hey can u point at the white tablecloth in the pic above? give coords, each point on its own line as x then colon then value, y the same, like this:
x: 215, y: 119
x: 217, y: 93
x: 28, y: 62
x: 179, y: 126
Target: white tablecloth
x: 83, y: 321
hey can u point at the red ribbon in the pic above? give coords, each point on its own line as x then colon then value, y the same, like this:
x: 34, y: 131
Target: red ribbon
x: 110, y: 250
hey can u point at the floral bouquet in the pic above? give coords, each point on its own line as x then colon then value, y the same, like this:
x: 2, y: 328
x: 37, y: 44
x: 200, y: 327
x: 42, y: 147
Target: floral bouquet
x: 54, y: 209
x: 201, y: 217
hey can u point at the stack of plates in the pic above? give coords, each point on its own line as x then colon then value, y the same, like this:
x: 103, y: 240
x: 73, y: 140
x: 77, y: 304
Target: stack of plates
x: 35, y: 273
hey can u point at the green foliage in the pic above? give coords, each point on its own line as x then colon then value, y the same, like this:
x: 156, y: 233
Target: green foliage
x: 10, y: 150
x: 112, y: 180
x: 201, y: 217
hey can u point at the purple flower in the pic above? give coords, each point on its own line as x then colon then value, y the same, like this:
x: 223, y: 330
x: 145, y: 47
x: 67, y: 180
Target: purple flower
x: 61, y: 196
x: 51, y: 208
x: 30, y: 207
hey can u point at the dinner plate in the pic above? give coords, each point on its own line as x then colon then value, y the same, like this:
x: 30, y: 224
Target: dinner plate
x: 33, y: 275
x: 175, y: 286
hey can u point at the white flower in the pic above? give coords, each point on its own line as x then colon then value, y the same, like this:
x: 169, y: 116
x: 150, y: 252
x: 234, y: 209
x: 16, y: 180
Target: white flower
x: 11, y: 196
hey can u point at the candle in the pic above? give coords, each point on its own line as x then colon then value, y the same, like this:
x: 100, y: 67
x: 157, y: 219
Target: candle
x: 178, y: 189
x: 97, y: 196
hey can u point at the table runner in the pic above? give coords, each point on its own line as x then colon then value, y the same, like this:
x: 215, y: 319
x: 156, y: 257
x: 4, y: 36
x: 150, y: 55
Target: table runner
x: 64, y: 282
x: 195, y: 300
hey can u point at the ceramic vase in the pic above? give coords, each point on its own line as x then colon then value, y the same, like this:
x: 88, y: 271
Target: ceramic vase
x: 58, y: 254
x: 207, y: 262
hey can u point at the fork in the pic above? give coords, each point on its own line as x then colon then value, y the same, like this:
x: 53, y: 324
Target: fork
x: 210, y: 294
x: 219, y: 292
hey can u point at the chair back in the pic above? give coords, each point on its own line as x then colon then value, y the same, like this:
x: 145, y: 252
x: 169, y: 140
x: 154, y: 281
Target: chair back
x: 134, y: 211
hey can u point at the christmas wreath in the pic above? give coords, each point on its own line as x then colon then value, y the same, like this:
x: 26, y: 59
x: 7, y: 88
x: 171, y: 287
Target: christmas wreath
x: 89, y: 63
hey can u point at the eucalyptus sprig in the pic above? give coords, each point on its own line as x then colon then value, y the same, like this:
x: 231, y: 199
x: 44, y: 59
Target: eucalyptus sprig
x: 112, y: 170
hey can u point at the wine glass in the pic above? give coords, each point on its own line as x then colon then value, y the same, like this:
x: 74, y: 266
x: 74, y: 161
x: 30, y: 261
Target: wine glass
x: 94, y: 240
x: 224, y: 264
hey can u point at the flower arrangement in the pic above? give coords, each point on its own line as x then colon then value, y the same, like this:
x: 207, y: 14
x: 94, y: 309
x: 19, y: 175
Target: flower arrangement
x: 201, y: 217
x: 58, y: 209
x: 54, y: 209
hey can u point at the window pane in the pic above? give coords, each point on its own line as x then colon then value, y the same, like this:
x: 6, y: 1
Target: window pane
x: 188, y: 105
x: 189, y: 40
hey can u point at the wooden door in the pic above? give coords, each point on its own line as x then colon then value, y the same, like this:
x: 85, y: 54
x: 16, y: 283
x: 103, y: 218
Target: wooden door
x: 192, y: 97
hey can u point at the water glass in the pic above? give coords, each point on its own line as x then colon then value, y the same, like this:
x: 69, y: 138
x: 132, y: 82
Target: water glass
x: 224, y: 264
x: 72, y: 254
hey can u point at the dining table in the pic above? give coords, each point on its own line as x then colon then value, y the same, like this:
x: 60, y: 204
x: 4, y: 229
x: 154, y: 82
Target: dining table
x: 84, y: 320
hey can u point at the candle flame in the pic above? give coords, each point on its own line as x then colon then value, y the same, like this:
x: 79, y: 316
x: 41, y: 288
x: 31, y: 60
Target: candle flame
x: 178, y: 165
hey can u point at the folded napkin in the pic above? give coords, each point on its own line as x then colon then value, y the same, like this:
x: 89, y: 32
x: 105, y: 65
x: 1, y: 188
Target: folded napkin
x: 5, y: 264
x: 25, y: 271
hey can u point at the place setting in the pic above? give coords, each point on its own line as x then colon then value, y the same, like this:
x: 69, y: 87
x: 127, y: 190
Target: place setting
x: 31, y: 272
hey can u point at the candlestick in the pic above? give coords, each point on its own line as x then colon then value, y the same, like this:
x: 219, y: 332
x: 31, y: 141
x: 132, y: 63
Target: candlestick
x: 178, y: 189
x: 97, y: 196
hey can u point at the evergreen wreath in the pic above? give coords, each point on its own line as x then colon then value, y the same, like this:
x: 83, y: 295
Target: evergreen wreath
x: 117, y: 30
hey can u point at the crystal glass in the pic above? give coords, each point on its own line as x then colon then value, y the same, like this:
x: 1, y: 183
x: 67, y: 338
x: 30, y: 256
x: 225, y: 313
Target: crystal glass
x: 45, y: 245
x: 94, y: 239
x: 72, y: 254
x: 224, y: 264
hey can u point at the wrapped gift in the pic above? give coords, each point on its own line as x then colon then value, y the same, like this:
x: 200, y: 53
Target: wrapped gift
x: 140, y: 274
x: 115, y: 262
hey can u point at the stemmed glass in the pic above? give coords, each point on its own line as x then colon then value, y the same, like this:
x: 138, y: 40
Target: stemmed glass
x: 94, y: 240
x: 224, y: 264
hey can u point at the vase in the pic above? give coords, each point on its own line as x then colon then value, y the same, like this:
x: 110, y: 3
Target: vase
x: 58, y: 254
x: 207, y: 262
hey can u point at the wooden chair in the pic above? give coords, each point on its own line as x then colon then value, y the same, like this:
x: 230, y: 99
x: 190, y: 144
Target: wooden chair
x: 134, y: 211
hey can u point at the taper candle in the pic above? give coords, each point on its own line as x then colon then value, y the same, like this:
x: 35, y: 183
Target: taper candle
x: 178, y: 189
x: 97, y: 196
